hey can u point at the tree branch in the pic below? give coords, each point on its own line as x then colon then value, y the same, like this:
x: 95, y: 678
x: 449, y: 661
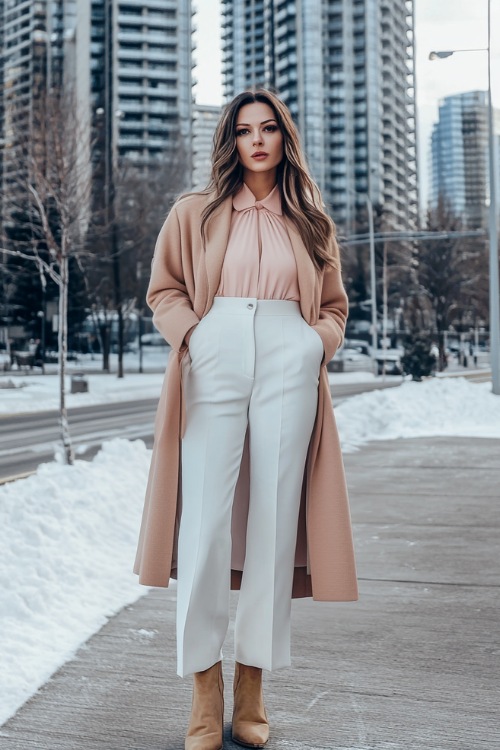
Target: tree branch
x: 40, y: 262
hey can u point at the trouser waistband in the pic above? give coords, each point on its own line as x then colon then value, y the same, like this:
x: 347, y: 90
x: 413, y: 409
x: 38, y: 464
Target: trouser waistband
x: 252, y: 305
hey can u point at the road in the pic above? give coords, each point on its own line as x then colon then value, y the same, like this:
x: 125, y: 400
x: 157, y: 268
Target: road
x: 27, y: 440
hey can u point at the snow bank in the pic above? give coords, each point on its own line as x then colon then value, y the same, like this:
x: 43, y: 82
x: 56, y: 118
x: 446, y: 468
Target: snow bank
x: 68, y: 537
x: 452, y: 406
x: 40, y: 392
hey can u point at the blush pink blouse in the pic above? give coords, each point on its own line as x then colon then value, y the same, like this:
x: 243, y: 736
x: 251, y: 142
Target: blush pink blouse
x: 259, y: 260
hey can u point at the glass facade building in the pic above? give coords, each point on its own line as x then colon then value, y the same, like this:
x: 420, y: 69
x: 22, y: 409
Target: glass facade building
x: 345, y: 69
x: 460, y: 157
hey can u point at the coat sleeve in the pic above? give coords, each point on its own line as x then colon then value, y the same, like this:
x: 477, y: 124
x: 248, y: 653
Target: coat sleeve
x: 333, y: 312
x: 167, y: 294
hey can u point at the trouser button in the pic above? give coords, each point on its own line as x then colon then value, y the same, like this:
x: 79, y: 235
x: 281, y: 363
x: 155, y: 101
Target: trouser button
x: 250, y: 306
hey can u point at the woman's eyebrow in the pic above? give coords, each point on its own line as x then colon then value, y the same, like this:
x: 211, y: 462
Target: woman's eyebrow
x: 262, y: 123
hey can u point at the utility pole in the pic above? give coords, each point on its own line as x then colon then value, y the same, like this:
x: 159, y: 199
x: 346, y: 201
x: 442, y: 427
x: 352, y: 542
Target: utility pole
x: 110, y: 192
x: 493, y: 236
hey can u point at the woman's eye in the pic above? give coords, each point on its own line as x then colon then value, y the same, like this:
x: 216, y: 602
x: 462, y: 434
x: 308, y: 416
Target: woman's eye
x: 242, y: 131
x: 271, y: 128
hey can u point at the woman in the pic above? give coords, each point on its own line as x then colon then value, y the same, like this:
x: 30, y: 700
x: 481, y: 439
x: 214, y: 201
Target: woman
x: 246, y: 488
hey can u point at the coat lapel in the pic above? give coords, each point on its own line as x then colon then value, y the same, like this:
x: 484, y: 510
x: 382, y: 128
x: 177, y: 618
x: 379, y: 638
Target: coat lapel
x: 216, y: 245
x: 306, y: 272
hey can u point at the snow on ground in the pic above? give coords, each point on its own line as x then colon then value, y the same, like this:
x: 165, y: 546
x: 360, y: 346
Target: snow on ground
x: 452, y: 406
x: 68, y: 537
x: 40, y: 392
x: 68, y: 534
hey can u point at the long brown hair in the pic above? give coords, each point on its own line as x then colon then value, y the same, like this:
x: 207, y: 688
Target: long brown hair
x: 300, y: 196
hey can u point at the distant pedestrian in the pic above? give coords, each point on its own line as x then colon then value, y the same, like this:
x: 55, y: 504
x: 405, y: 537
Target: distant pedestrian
x: 246, y: 487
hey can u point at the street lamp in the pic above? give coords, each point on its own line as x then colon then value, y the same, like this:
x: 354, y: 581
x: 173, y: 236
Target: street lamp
x: 442, y: 54
x: 494, y: 287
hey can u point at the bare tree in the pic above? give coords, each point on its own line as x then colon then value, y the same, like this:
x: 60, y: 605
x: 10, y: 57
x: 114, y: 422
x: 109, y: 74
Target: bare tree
x: 450, y: 276
x: 143, y: 194
x: 53, y: 186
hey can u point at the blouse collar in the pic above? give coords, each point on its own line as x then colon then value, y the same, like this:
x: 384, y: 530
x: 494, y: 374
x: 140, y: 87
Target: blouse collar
x: 245, y: 199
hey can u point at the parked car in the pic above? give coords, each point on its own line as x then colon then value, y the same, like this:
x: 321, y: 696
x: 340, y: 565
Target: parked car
x: 392, y: 359
x: 351, y: 359
x: 360, y: 345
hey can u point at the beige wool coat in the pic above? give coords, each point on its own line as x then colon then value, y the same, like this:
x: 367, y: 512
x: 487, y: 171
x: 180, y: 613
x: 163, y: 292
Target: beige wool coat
x: 184, y: 279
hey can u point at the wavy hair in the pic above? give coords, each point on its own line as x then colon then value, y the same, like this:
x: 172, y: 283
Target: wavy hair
x: 300, y: 196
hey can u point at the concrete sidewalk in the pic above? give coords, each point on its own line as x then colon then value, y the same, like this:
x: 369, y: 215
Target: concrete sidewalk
x: 414, y: 665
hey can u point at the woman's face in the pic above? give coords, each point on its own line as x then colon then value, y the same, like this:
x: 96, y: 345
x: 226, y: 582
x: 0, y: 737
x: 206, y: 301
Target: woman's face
x: 259, y: 140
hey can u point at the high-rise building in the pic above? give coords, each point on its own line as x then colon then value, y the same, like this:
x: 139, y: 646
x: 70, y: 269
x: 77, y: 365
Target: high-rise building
x: 140, y: 61
x: 124, y: 66
x: 460, y: 156
x: 345, y: 69
x: 24, y: 73
x: 205, y: 119
x: 128, y: 62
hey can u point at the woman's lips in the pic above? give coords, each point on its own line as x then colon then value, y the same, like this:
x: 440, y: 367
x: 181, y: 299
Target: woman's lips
x: 259, y: 156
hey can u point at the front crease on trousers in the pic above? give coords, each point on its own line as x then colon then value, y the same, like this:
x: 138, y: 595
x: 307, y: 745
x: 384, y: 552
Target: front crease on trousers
x: 253, y: 363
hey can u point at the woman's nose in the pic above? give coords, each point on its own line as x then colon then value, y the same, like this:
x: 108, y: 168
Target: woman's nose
x: 257, y: 138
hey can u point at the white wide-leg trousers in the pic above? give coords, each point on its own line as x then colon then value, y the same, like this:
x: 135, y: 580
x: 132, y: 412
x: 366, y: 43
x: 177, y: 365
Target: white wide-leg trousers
x: 253, y: 363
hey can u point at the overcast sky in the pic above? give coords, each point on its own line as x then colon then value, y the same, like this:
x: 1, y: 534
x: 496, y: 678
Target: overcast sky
x: 440, y: 24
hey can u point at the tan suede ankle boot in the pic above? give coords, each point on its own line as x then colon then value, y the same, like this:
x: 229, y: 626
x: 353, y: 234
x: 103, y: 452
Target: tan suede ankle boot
x: 206, y: 726
x: 250, y: 725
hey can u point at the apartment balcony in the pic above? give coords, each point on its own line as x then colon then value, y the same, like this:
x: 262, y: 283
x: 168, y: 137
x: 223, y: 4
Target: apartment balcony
x: 143, y: 37
x: 390, y: 195
x: 135, y: 71
x: 335, y: 58
x: 335, y: 27
x: 153, y: 55
x: 134, y: 142
x: 156, y: 141
x: 15, y: 61
x: 148, y: 76
x: 161, y: 92
x: 155, y: 22
x: 130, y: 90
x: 142, y: 90
x: 160, y: 107
x: 130, y: 141
x: 138, y: 125
x: 283, y: 46
x: 287, y: 79
x: 151, y: 4
x: 13, y: 26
